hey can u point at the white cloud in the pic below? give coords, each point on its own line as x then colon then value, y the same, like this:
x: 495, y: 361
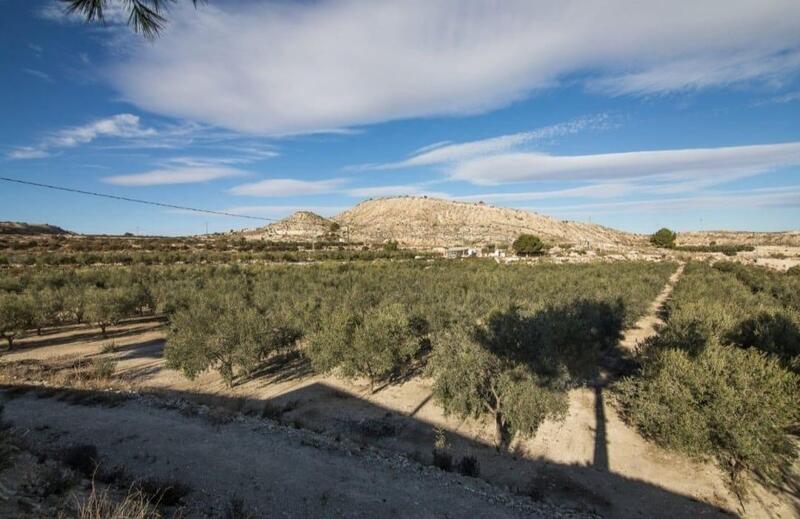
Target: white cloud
x: 446, y: 152
x: 285, y: 68
x: 668, y: 164
x: 757, y: 198
x: 124, y: 126
x: 120, y: 125
x: 287, y: 187
x: 27, y: 152
x: 174, y: 176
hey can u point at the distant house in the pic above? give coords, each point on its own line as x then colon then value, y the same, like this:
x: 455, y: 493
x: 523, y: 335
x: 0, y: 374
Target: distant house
x: 461, y: 252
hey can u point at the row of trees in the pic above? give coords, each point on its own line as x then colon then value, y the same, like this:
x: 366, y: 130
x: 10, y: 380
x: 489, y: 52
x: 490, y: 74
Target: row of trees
x: 720, y: 380
x: 48, y: 307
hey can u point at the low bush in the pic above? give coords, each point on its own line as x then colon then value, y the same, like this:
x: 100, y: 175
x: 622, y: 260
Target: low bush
x: 100, y: 505
x: 442, y: 460
x: 103, y: 368
x: 83, y: 459
x: 736, y: 406
x: 468, y: 466
x: 162, y: 492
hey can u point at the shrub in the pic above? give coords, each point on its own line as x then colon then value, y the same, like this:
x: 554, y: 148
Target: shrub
x: 528, y: 245
x: 468, y: 466
x: 794, y: 271
x: 664, y: 238
x: 83, y: 459
x: 391, y: 246
x: 775, y: 333
x: 442, y: 460
x: 737, y: 406
x: 103, y: 368
x: 100, y: 505
x: 162, y: 492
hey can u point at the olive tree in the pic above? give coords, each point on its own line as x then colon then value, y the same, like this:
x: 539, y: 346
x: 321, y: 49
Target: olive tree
x: 223, y: 333
x: 376, y: 344
x: 16, y: 315
x: 474, y: 377
x: 47, y: 305
x: 108, y: 306
x: 528, y: 245
x: 664, y: 238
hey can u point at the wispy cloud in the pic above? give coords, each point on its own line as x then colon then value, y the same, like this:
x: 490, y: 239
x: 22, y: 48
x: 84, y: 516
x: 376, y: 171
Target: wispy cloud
x: 27, y: 152
x: 447, y: 152
x: 302, y: 67
x: 44, y: 76
x: 123, y: 126
x: 782, y: 197
x: 174, y: 176
x: 394, y: 190
x: 679, y: 163
x: 277, y: 187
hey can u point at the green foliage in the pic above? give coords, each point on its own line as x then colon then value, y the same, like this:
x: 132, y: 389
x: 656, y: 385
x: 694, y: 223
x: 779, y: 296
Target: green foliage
x: 16, y: 315
x: 528, y: 245
x: 226, y: 333
x: 664, y: 238
x: 726, y: 249
x: 793, y: 271
x: 391, y: 246
x: 736, y: 406
x: 108, y: 306
x: 717, y: 380
x: 376, y: 344
x: 471, y: 380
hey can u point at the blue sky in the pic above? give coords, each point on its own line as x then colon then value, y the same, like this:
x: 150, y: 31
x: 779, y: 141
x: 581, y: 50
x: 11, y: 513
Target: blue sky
x: 636, y: 116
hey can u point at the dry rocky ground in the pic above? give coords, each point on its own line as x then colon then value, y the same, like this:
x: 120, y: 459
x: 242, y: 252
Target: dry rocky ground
x: 293, y: 442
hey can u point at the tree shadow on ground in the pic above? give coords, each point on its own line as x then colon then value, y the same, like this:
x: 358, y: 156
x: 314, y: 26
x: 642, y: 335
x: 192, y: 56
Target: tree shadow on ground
x: 584, y: 487
x: 88, y: 334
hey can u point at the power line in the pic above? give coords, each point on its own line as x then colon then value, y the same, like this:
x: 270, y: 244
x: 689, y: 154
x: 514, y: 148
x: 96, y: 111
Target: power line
x: 136, y: 200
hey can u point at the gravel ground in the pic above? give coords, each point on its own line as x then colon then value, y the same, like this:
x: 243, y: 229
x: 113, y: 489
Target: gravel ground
x: 274, y: 469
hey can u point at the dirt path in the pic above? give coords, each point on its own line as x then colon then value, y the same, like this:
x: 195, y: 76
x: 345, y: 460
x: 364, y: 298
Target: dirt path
x: 647, y: 324
x: 278, y: 471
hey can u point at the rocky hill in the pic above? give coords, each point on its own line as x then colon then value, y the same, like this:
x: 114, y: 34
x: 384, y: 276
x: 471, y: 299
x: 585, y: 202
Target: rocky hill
x: 429, y: 222
x: 301, y: 226
x: 787, y: 239
x: 30, y: 228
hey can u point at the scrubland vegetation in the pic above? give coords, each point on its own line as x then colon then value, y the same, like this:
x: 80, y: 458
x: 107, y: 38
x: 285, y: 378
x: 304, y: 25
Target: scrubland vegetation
x: 720, y: 378
x: 107, y: 250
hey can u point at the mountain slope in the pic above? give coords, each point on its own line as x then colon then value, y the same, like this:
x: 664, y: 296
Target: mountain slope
x: 30, y: 228
x: 300, y: 226
x: 430, y: 222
